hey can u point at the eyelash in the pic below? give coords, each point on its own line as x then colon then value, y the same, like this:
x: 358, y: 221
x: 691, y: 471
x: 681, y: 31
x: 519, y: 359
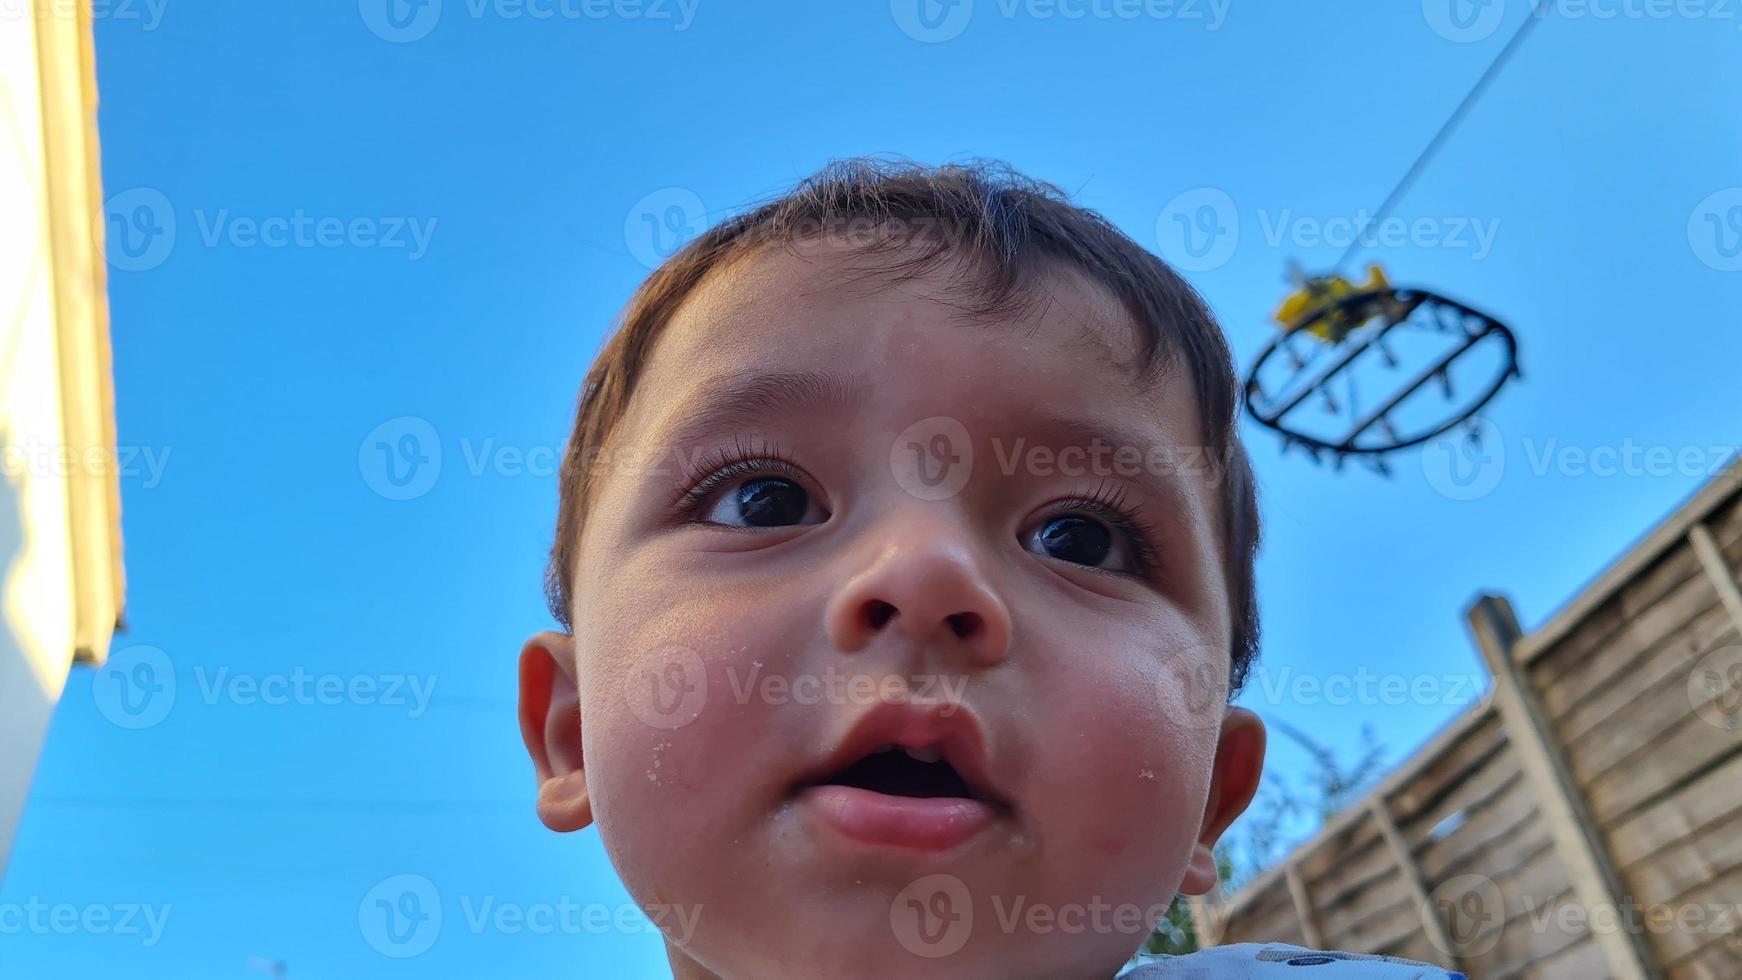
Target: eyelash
x: 725, y: 465
x: 1106, y: 501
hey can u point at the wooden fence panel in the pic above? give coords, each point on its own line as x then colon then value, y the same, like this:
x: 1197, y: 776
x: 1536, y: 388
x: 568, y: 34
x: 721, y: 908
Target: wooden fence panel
x: 1571, y: 853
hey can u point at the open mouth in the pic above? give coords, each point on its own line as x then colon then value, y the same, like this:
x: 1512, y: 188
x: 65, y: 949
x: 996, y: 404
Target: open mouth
x: 897, y: 771
x: 906, y: 778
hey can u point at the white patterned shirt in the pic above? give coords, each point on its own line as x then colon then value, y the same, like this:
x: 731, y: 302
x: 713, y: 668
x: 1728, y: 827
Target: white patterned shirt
x: 1279, y: 961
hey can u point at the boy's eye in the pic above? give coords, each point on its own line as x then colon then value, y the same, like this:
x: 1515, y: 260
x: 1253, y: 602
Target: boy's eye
x: 1110, y: 539
x: 1081, y: 540
x: 762, y: 501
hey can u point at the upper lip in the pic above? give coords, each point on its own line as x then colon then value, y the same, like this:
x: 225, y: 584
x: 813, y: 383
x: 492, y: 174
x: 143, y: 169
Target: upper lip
x: 953, y: 731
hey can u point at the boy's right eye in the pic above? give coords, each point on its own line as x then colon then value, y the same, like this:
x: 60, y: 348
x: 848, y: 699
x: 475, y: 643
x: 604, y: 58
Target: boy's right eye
x: 762, y: 501
x: 751, y: 489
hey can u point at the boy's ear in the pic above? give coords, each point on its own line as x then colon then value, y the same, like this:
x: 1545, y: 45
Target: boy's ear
x: 550, y: 723
x: 1239, y: 763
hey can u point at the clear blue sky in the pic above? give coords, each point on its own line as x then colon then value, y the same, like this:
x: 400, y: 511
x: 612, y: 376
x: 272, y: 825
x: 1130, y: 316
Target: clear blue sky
x: 533, y: 145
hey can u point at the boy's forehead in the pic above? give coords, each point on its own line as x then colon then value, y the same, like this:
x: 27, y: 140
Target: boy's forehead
x: 1071, y: 349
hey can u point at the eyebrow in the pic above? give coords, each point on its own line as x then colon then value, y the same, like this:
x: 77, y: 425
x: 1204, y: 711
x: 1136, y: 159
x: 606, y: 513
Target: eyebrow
x: 1162, y: 476
x: 728, y: 401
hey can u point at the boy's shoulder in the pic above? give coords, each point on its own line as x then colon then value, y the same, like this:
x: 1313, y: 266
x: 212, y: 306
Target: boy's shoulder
x: 1276, y: 961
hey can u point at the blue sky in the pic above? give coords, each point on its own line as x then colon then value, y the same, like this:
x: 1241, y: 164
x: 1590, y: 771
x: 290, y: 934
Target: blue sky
x: 435, y: 216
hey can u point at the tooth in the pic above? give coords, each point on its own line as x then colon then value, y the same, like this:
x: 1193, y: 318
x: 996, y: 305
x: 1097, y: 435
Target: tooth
x: 924, y: 755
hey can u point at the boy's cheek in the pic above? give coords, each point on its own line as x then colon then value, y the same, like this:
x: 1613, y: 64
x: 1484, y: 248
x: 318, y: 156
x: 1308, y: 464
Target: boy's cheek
x: 687, y: 728
x: 1136, y: 736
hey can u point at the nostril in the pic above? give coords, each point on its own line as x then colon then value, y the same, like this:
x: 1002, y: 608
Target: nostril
x: 878, y: 612
x: 964, y: 624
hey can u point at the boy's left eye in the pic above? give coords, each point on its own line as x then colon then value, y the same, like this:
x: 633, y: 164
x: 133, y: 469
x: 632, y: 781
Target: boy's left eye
x: 1084, y: 540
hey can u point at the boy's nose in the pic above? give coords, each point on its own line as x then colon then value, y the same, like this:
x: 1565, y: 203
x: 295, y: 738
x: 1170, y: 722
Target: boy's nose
x: 932, y: 590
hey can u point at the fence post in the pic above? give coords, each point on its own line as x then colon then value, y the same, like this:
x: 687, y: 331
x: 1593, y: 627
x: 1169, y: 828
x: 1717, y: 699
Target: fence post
x: 1712, y: 560
x: 1571, y: 826
x: 1208, y: 912
x: 1303, y: 906
x: 1411, y: 872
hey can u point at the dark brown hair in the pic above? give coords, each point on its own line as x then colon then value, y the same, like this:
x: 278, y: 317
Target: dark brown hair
x: 1007, y: 232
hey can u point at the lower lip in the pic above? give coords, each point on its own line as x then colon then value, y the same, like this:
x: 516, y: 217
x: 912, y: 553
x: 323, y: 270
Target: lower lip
x: 911, y: 823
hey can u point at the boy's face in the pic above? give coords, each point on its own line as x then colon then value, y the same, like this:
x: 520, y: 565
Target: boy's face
x: 921, y: 564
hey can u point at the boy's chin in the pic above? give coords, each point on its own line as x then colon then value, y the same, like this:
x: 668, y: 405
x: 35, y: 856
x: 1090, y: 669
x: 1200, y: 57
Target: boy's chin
x: 849, y: 954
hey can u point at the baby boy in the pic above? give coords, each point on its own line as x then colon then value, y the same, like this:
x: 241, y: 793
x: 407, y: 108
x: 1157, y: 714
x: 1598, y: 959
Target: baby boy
x: 905, y: 558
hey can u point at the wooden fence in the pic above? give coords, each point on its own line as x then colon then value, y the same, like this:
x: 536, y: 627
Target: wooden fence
x: 1583, y: 820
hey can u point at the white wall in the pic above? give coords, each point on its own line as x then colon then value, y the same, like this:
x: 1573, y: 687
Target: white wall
x: 54, y: 381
